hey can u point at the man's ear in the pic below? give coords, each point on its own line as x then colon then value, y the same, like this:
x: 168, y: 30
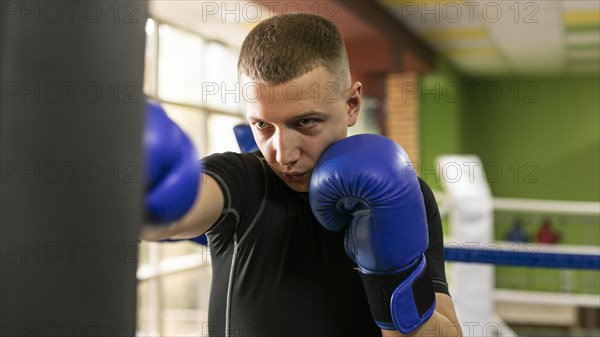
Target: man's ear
x: 354, y: 102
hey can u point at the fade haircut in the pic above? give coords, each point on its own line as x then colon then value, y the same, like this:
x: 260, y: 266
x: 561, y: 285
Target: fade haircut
x: 287, y: 46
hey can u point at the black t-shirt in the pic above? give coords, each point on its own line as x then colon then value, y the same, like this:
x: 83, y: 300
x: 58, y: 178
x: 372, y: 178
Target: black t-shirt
x: 276, y: 270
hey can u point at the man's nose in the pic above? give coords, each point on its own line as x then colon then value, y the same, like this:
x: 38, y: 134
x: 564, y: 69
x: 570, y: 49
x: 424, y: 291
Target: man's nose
x: 286, y: 148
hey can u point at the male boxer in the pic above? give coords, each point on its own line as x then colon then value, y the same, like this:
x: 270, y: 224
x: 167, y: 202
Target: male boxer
x: 365, y: 260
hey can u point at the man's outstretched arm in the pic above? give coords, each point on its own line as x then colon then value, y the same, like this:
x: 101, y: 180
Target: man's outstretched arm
x: 181, y: 202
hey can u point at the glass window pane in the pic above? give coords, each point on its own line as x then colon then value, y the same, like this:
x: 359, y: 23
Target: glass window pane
x: 367, y: 121
x: 143, y: 298
x: 150, y: 59
x: 143, y: 252
x: 185, y: 301
x: 192, y: 122
x: 179, y: 65
x: 221, y: 87
x: 220, y: 133
x: 183, y: 247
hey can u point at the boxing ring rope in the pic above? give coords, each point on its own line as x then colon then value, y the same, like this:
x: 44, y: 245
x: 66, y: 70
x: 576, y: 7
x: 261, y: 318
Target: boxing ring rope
x: 528, y: 254
x: 547, y: 206
x: 519, y: 254
x: 496, y: 253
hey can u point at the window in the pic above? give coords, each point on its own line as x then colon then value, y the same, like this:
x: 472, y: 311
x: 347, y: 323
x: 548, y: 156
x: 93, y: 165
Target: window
x: 195, y: 80
x: 179, y: 65
x: 221, y: 88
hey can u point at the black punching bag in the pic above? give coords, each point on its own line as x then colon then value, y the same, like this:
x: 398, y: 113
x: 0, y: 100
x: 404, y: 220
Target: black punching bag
x: 72, y: 115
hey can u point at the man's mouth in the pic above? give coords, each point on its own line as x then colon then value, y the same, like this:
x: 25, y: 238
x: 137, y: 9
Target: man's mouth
x: 294, y: 176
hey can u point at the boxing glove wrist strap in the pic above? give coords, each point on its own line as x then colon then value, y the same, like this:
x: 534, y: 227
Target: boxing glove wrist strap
x: 403, y: 300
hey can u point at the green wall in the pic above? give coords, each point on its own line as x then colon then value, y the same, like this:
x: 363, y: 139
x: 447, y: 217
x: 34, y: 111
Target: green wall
x: 442, y: 121
x: 538, y: 138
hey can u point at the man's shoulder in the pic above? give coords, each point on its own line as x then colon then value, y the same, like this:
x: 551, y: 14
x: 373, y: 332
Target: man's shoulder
x: 233, y: 155
x: 425, y: 189
x: 428, y: 197
x: 234, y: 159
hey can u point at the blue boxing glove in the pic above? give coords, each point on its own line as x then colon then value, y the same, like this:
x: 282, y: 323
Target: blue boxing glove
x: 245, y: 139
x: 172, y: 168
x: 367, y: 185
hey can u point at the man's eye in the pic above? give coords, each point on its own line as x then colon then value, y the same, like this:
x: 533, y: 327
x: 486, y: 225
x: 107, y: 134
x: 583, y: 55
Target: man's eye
x: 306, y: 122
x: 260, y: 125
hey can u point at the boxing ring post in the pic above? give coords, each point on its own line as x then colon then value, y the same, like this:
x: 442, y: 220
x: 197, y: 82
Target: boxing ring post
x: 71, y: 128
x: 471, y: 216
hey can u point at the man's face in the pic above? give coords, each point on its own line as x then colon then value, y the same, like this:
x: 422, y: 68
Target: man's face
x: 294, y: 122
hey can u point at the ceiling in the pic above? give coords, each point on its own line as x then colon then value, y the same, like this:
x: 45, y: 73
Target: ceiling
x: 508, y: 37
x: 204, y: 17
x: 481, y: 37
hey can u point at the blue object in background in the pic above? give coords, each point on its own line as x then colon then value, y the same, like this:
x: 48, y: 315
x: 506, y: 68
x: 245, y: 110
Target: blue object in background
x: 517, y: 233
